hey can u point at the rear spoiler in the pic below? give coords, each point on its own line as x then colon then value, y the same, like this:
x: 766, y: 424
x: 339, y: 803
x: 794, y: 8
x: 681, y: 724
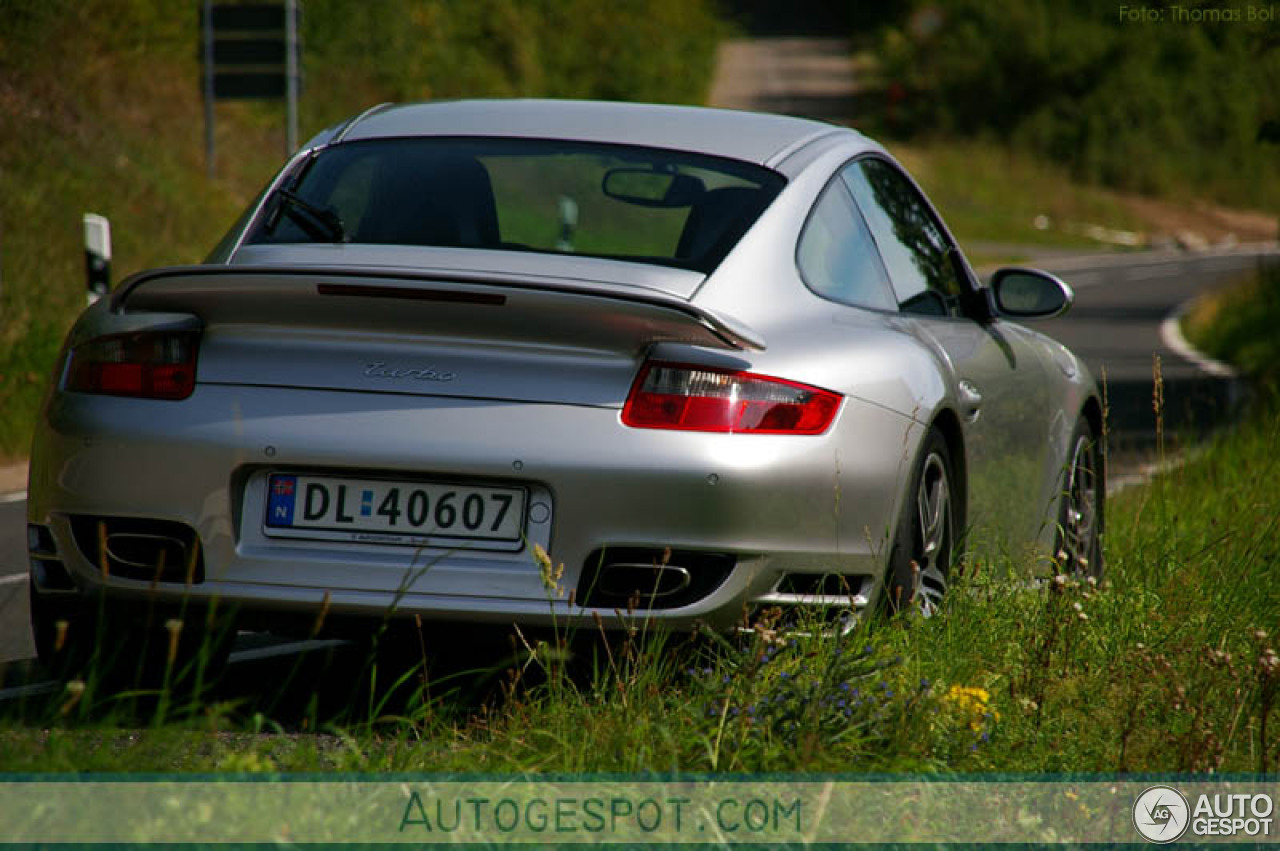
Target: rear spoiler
x: 199, y: 289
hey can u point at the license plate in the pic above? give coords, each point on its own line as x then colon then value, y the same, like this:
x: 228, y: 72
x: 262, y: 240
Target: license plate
x: 392, y: 512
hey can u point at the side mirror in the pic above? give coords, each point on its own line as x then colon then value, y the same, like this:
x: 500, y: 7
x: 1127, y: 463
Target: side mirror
x: 1029, y: 294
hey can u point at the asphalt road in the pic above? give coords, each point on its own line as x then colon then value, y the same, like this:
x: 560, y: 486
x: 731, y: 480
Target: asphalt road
x: 1122, y: 301
x: 1122, y: 320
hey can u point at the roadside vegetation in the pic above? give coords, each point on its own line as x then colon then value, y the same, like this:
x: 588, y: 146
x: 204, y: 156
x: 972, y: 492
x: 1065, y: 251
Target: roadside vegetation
x: 1239, y: 325
x: 100, y: 101
x: 1161, y: 100
x: 1168, y: 664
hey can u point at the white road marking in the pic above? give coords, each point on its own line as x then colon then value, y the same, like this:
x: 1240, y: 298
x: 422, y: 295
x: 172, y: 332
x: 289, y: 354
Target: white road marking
x: 16, y: 496
x: 13, y: 579
x: 1171, y: 336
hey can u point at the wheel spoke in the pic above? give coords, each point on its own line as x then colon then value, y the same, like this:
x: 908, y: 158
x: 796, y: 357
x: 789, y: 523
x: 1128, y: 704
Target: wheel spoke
x: 1080, y: 516
x: 933, y: 506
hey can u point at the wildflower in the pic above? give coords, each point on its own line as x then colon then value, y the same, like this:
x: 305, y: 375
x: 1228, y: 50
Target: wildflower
x: 971, y: 704
x: 551, y: 576
x: 175, y: 632
x: 75, y: 691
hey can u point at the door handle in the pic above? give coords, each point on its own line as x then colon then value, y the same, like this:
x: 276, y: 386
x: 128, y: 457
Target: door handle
x: 970, y: 399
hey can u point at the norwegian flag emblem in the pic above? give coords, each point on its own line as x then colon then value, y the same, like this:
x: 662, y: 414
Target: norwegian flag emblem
x: 283, y: 487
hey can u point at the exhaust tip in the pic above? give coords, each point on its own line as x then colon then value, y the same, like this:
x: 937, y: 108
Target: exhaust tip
x: 141, y: 548
x: 643, y: 580
x: 650, y: 578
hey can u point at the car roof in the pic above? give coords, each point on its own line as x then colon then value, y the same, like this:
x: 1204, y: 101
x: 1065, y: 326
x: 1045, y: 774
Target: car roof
x: 750, y: 136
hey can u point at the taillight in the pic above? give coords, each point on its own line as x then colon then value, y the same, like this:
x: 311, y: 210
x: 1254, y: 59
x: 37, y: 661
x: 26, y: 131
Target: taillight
x: 147, y: 365
x: 696, y: 398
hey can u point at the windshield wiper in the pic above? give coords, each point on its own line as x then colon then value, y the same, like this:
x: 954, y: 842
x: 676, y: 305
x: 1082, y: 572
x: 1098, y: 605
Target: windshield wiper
x: 320, y: 224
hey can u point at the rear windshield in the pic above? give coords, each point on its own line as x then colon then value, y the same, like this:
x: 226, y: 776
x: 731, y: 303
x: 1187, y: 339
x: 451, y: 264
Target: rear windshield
x: 621, y: 202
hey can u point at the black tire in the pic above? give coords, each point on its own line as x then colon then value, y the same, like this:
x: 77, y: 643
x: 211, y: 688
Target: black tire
x: 1082, y: 508
x: 926, y: 542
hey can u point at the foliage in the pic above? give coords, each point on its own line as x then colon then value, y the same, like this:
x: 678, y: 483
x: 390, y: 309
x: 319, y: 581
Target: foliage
x: 1239, y: 324
x: 100, y: 101
x: 1155, y: 105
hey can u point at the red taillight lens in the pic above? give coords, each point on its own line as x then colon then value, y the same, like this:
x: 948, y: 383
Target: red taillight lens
x: 695, y: 398
x: 148, y: 365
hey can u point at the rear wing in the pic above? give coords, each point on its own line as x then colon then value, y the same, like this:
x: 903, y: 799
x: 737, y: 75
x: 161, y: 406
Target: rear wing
x: 434, y: 301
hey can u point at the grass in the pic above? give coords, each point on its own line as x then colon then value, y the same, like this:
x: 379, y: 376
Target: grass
x: 1238, y: 324
x: 102, y: 113
x: 1167, y: 665
x: 990, y: 194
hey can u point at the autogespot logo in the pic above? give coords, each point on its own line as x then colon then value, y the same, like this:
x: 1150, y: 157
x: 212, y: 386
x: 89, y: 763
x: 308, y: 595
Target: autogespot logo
x: 1161, y: 814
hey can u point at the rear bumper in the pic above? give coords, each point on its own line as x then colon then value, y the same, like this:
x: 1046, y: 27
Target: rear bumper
x: 777, y: 505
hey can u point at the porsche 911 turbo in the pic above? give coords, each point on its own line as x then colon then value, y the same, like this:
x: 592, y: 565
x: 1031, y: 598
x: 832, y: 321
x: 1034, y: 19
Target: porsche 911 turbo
x: 547, y: 362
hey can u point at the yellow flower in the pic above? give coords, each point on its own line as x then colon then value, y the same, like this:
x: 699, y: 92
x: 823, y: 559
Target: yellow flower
x: 551, y: 576
x: 971, y: 703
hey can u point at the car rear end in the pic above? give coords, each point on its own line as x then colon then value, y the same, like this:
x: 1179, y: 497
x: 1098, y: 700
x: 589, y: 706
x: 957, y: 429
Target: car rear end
x: 378, y: 427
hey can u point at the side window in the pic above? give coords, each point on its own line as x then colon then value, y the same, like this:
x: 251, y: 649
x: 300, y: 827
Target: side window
x: 837, y: 256
x: 913, y: 245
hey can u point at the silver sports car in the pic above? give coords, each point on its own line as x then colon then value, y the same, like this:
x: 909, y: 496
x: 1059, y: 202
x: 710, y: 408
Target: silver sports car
x: 543, y: 362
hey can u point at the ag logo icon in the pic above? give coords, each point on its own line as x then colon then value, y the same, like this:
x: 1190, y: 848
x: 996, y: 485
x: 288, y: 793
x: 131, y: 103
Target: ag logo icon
x: 1161, y: 814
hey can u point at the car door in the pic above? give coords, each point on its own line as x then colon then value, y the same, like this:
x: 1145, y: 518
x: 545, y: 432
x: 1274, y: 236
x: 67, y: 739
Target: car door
x: 998, y: 378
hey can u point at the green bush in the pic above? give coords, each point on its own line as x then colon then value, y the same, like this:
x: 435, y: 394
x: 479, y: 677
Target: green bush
x: 1157, y: 106
x: 100, y: 103
x: 645, y: 50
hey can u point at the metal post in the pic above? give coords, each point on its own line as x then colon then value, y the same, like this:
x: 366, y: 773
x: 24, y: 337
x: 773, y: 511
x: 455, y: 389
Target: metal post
x: 209, y: 150
x: 97, y: 255
x: 291, y: 76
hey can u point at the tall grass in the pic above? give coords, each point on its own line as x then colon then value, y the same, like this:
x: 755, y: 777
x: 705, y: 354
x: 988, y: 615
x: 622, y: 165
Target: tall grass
x: 1239, y: 324
x: 1168, y: 664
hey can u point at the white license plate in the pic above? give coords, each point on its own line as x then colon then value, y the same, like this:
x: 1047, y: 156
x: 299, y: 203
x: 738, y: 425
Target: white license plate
x: 392, y: 512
